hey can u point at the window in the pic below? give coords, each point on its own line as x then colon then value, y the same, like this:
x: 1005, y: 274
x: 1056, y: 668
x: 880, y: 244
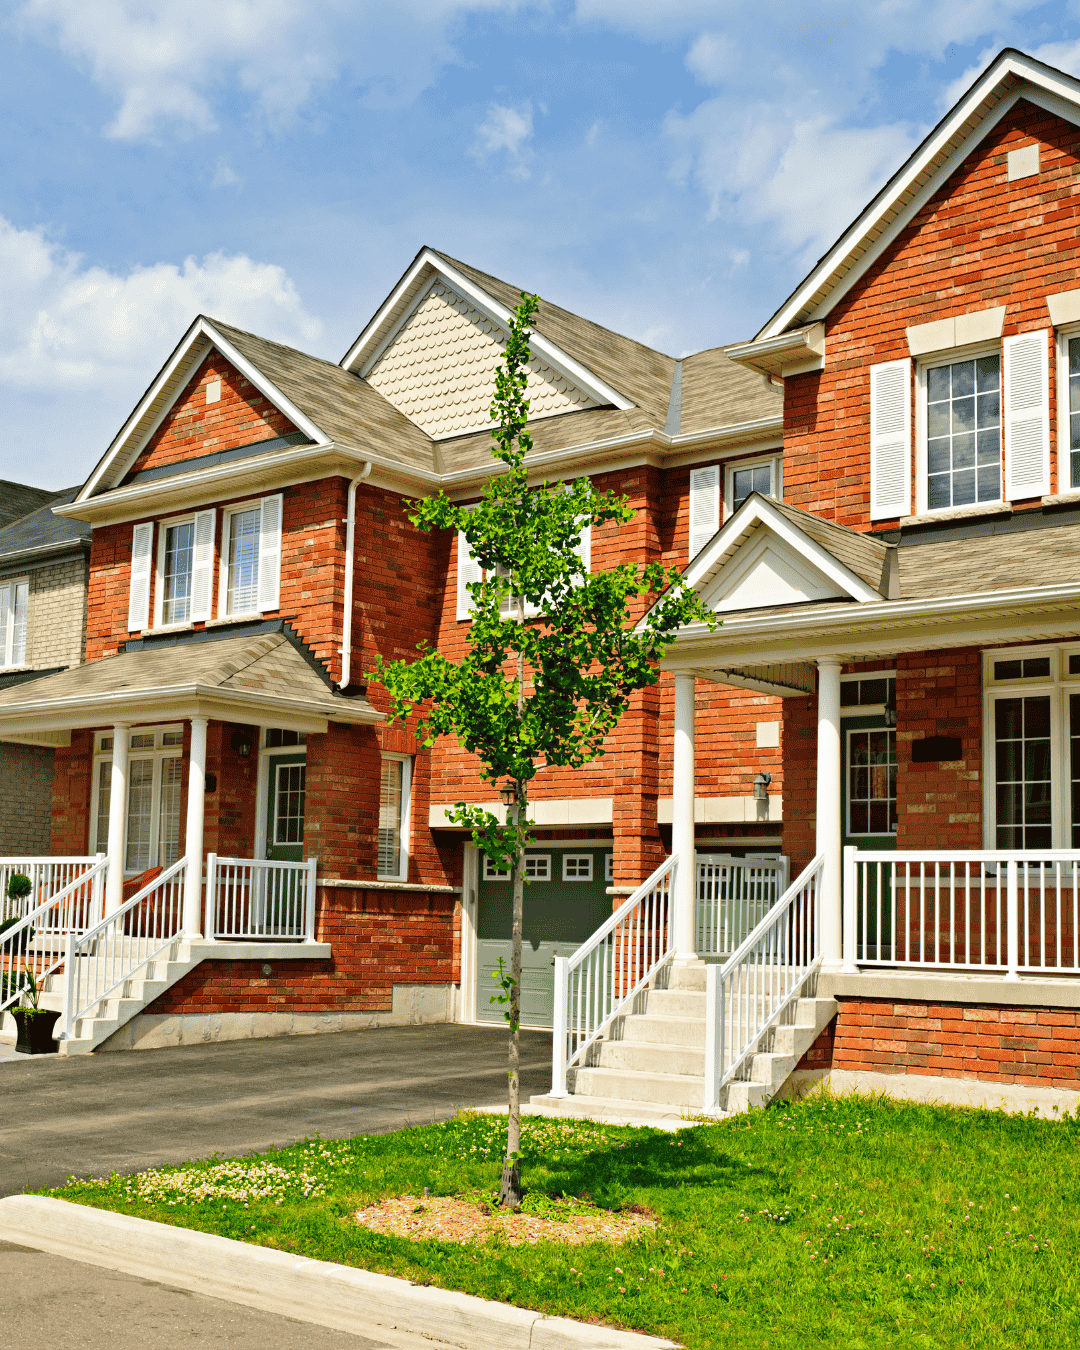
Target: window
x: 577, y: 867
x: 289, y: 807
x: 179, y: 549
x: 155, y: 774
x: 872, y: 782
x: 868, y: 691
x: 277, y: 739
x: 763, y: 476
x: 184, y: 569
x: 609, y: 867
x: 1022, y: 762
x: 242, y: 563
x: 1069, y: 458
x: 394, y: 817
x: 963, y: 432
x: 469, y: 572
x: 538, y: 866
x: 250, y: 580
x: 493, y: 873
x: 14, y: 603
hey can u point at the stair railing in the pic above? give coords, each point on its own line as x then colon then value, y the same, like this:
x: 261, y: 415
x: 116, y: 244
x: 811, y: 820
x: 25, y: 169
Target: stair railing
x: 36, y: 941
x: 47, y: 877
x: 596, y: 983
x: 747, y: 995
x: 101, y: 960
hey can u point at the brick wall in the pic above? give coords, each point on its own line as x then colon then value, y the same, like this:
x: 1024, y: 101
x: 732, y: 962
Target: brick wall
x: 26, y: 771
x: 980, y: 242
x: 1038, y: 1047
x: 56, y: 620
x: 71, y: 795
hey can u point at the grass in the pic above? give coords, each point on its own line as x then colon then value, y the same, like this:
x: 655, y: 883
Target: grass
x: 849, y: 1222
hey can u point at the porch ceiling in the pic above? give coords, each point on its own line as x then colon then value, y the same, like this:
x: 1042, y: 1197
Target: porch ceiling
x: 257, y: 679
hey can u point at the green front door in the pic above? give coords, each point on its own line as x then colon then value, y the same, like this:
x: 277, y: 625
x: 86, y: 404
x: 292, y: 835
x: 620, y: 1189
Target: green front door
x: 868, y: 805
x: 565, y: 903
x: 285, y: 808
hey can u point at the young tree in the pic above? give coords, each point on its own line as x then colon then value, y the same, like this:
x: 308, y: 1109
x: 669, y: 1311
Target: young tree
x: 553, y: 657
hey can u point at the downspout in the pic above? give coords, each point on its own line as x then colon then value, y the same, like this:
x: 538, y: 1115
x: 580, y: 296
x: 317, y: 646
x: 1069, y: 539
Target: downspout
x: 350, y: 540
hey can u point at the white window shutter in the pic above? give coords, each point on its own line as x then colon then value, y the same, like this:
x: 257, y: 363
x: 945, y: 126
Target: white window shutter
x: 270, y: 553
x: 890, y: 440
x: 1026, y: 416
x: 202, y: 565
x: 468, y: 571
x: 704, y: 507
x: 18, y: 627
x: 584, y: 548
x: 142, y: 546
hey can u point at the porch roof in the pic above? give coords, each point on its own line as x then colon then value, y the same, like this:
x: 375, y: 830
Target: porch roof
x: 260, y: 679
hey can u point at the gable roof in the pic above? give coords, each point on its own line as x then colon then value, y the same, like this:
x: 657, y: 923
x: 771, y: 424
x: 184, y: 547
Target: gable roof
x: 42, y: 531
x: 1011, y: 77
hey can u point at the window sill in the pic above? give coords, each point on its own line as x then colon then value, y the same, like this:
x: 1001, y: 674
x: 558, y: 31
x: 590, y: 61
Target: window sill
x: 1062, y: 499
x: 235, y: 618
x: 957, y: 513
x: 168, y: 628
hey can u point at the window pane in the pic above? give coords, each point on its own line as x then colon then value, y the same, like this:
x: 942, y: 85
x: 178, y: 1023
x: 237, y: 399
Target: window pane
x: 963, y: 467
x: 140, y: 802
x: 169, y: 813
x: 289, y: 816
x: 18, y: 632
x: 179, y: 544
x: 872, y: 782
x: 1023, y: 771
x: 101, y: 843
x: 243, y: 586
x: 390, y: 818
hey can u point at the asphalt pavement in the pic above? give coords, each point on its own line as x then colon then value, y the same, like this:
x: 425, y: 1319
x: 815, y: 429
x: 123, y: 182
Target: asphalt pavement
x: 89, y: 1115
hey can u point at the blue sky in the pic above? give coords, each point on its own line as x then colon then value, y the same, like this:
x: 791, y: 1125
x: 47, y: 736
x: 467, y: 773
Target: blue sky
x: 669, y: 168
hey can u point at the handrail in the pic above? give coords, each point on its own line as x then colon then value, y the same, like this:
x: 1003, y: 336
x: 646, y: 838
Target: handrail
x: 732, y: 895
x: 609, y: 969
x: 746, y: 996
x: 260, y: 898
x: 15, y: 951
x: 102, y: 959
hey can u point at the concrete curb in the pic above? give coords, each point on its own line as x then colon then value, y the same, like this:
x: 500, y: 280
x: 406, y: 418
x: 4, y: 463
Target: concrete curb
x: 311, y: 1291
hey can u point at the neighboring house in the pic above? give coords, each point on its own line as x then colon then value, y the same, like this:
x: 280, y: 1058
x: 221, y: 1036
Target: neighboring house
x: 250, y: 557
x: 920, y: 582
x: 43, y: 575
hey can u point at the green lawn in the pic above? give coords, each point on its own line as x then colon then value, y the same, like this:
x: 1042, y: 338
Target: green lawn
x: 845, y: 1222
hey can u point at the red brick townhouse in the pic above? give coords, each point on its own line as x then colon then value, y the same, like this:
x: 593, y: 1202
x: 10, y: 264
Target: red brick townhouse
x: 918, y: 592
x: 263, y: 853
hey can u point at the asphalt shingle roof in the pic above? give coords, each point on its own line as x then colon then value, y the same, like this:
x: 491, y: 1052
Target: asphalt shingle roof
x: 41, y: 529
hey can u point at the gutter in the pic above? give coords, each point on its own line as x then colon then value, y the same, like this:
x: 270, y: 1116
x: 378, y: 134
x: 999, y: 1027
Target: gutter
x: 350, y: 541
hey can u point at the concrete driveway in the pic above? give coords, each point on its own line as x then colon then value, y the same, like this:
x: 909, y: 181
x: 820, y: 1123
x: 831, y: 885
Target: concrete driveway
x: 92, y: 1114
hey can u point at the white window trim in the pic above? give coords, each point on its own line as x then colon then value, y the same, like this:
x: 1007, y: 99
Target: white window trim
x: 609, y: 867
x: 227, y: 513
x: 539, y: 857
x: 1062, y: 336
x: 566, y: 859
x: 163, y: 527
x: 406, y: 761
x: 951, y: 357
x: 157, y: 754
x: 775, y: 462
x: 865, y: 709
x: 861, y: 731
x: 1058, y: 685
x: 7, y: 653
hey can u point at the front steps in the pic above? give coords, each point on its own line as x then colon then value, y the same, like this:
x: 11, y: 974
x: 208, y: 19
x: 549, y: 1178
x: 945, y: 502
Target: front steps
x: 651, y: 1065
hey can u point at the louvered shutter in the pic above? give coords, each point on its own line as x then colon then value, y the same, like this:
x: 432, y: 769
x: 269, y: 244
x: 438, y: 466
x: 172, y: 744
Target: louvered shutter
x: 142, y: 546
x: 584, y: 548
x: 468, y: 571
x: 1026, y: 416
x: 704, y: 507
x: 202, y: 565
x: 890, y: 440
x: 270, y: 553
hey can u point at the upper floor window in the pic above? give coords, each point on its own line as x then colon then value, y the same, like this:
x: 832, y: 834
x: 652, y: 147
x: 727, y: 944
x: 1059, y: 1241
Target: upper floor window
x: 240, y: 561
x: 963, y: 432
x: 1073, y: 478
x: 178, y: 553
x: 14, y: 603
x: 763, y: 476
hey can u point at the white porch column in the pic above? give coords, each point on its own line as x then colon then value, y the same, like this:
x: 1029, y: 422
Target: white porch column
x: 682, y: 819
x: 196, y: 803
x: 828, y: 807
x: 118, y: 795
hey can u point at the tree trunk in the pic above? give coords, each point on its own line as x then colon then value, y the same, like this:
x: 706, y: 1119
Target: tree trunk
x: 510, y: 1191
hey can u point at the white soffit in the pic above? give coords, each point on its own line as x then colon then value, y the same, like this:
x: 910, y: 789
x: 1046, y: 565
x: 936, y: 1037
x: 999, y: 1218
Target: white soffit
x: 395, y: 311
x: 1012, y: 76
x: 200, y: 339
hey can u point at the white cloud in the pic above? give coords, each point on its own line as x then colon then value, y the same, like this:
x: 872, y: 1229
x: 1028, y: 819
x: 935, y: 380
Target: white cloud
x: 506, y: 129
x: 225, y: 175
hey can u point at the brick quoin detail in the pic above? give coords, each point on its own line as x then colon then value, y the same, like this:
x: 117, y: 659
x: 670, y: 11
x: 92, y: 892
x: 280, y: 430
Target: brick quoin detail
x: 1036, y: 1047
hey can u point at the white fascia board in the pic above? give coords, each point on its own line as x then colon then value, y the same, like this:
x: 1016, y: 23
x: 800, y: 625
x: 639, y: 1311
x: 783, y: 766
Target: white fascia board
x: 1039, y: 82
x: 369, y: 346
x: 758, y: 511
x: 787, y: 353
x: 200, y: 339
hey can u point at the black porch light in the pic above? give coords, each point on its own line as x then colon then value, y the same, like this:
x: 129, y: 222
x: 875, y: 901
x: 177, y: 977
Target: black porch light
x: 508, y: 794
x: 761, y: 786
x: 890, y: 711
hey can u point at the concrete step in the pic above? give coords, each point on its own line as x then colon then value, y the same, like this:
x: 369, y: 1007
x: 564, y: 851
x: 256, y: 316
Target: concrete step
x: 675, y: 1003
x: 655, y: 1029
x: 614, y: 1110
x: 677, y: 1092
x: 688, y: 979
x: 642, y: 1057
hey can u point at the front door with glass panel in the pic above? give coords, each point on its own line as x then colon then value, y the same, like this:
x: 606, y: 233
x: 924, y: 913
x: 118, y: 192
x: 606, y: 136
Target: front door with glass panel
x: 285, y: 807
x: 868, y: 803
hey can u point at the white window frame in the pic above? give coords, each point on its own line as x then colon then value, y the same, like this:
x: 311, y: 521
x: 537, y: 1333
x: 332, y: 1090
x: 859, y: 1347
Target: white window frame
x: 493, y: 873
x: 849, y: 732
x: 953, y: 356
x: 406, y: 762
x: 227, y: 514
x: 609, y: 867
x: 1062, y: 337
x: 775, y: 461
x: 163, y: 527
x: 541, y: 869
x: 1058, y: 685
x: 157, y: 754
x: 7, y: 639
x: 579, y: 857
x: 865, y: 709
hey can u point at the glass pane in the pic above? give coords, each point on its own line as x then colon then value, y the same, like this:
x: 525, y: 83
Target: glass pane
x: 1023, y: 764
x: 960, y: 398
x: 243, y: 589
x: 169, y: 813
x: 289, y: 816
x: 849, y: 693
x: 139, y: 822
x: 963, y: 452
x: 873, y: 691
x: 963, y: 415
x: 104, y: 796
x: 1036, y: 717
x: 937, y: 384
x: 964, y: 488
x: 988, y: 373
x: 390, y: 818
x: 871, y: 781
x: 963, y: 379
x: 1036, y: 667
x: 989, y: 410
x: 1008, y: 712
x: 179, y: 545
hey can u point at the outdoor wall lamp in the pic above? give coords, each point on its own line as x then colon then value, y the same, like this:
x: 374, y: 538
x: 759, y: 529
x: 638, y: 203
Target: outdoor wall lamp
x: 761, y: 787
x: 890, y: 711
x: 508, y: 794
x: 241, y: 744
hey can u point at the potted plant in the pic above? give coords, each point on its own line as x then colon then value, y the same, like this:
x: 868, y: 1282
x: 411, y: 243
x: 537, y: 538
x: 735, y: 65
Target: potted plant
x: 35, y: 1024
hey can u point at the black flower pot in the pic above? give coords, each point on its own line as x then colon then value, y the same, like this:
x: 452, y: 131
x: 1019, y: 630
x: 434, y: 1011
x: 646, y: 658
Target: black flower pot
x: 35, y: 1031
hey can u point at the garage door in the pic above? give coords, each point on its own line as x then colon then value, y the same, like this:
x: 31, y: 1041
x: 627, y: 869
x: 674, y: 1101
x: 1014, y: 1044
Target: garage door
x: 565, y: 903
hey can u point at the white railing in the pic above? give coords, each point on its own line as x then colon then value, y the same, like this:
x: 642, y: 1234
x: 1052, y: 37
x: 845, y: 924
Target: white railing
x: 596, y: 983
x: 747, y: 995
x: 47, y: 877
x: 100, y: 961
x: 992, y: 910
x: 37, y: 940
x: 733, y: 896
x: 249, y: 898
